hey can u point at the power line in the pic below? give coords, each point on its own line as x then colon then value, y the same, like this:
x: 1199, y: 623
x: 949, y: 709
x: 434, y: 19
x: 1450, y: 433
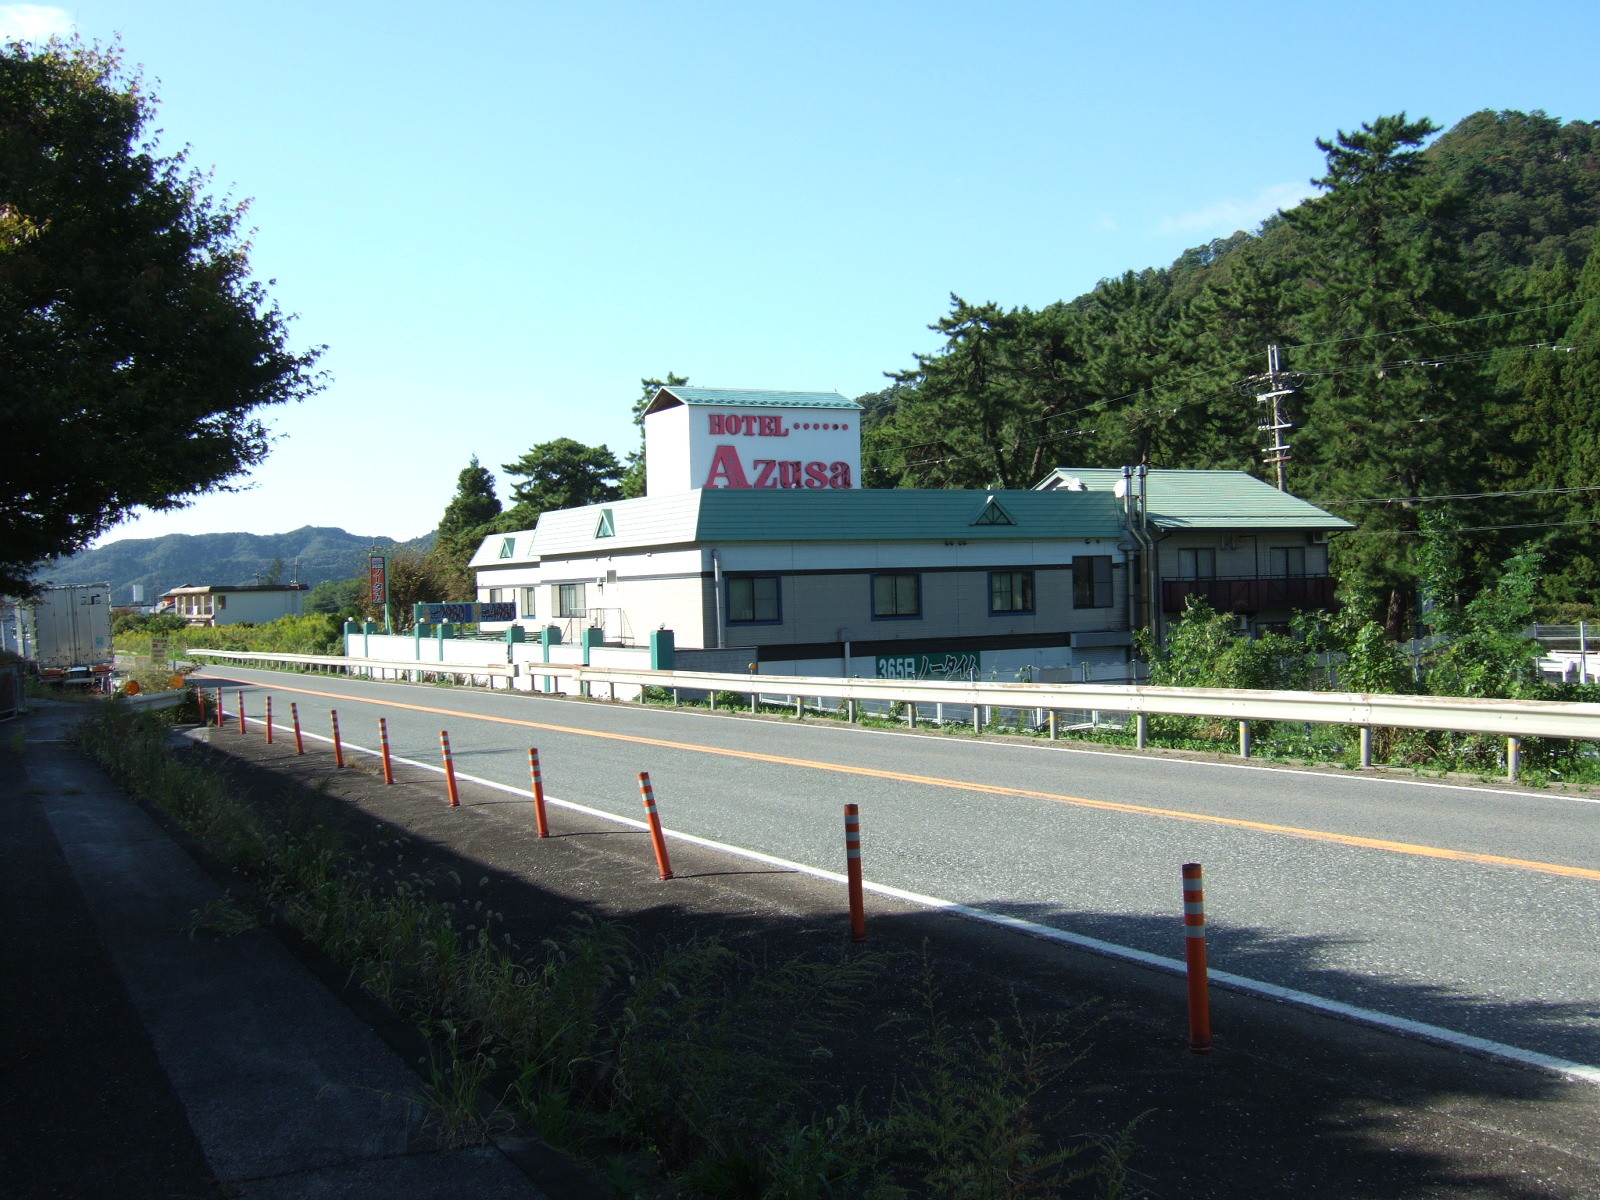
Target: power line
x: 1515, y: 312
x: 1466, y: 495
x: 1468, y: 529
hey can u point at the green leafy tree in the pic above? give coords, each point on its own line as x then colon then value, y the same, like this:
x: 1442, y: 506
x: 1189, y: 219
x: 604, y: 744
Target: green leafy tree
x: 633, y: 476
x: 337, y: 597
x: 562, y: 474
x: 414, y: 578
x: 1490, y: 654
x: 134, y: 345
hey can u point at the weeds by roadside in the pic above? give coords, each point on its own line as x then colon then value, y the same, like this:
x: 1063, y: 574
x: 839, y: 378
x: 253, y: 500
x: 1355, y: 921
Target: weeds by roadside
x: 683, y: 1068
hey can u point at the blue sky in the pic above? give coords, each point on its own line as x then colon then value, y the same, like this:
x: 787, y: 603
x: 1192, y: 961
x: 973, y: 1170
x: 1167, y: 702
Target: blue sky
x: 499, y: 216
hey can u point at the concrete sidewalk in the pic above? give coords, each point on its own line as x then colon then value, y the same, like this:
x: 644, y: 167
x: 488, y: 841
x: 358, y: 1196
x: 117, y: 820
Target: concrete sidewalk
x: 147, y: 1062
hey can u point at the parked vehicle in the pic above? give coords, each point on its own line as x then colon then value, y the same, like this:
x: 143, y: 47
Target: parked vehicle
x: 63, y: 633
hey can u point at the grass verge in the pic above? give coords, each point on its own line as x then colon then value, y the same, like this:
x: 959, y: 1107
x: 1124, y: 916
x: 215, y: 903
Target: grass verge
x: 676, y: 1068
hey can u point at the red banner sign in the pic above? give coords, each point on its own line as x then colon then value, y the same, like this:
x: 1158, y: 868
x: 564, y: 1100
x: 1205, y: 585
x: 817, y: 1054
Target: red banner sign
x: 378, y: 579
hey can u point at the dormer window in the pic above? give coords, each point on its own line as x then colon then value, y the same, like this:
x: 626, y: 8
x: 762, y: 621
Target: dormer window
x: 992, y: 514
x: 605, y: 527
x: 508, y: 547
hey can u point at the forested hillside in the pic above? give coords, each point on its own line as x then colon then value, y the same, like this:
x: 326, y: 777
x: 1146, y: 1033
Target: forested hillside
x: 1438, y: 304
x: 311, y: 555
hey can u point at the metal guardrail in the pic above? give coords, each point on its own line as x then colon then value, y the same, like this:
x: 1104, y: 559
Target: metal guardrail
x: 157, y: 700
x: 1447, y: 714
x: 496, y: 670
x: 1450, y: 714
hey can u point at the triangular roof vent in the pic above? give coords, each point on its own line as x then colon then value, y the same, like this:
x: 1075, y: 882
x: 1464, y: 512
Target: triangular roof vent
x: 992, y: 514
x: 606, y: 527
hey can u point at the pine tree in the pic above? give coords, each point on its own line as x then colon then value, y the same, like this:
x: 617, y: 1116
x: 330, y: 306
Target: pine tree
x: 1393, y: 412
x: 462, y: 528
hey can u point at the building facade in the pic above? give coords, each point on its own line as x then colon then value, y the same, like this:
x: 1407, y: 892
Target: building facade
x: 232, y: 604
x: 777, y: 559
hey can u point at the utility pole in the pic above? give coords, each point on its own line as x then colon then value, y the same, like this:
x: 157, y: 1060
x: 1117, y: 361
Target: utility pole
x: 1278, y: 383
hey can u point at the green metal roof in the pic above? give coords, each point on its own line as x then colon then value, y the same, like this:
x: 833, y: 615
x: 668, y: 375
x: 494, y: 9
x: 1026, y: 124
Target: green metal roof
x: 1206, y: 499
x: 724, y: 515
x: 747, y: 398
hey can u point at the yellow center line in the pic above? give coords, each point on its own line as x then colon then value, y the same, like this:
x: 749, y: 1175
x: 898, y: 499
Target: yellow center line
x: 992, y: 789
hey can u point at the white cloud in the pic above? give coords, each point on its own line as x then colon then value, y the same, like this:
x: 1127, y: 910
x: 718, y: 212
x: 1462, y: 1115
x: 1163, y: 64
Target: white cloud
x: 32, y: 22
x: 1227, y: 216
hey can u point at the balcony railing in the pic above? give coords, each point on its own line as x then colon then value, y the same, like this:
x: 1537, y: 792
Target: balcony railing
x: 1250, y: 593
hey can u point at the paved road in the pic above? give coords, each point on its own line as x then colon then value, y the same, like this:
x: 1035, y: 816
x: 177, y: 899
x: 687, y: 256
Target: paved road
x: 1470, y: 908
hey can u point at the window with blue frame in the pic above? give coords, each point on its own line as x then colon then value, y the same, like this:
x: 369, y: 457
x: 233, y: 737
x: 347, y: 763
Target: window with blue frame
x: 754, y: 600
x: 1010, y: 592
x: 896, y: 597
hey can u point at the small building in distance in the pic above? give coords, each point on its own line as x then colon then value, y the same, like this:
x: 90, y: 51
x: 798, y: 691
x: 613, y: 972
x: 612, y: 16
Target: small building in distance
x: 233, y: 604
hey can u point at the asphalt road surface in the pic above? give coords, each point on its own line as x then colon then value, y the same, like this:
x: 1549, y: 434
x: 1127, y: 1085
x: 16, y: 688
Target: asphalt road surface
x: 1471, y: 909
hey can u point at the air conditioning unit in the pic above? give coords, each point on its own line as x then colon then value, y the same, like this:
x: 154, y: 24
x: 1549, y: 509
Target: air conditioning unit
x: 1319, y: 538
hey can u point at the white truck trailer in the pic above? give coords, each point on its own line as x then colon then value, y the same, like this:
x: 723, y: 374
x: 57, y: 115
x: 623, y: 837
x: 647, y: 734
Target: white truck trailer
x: 63, y: 633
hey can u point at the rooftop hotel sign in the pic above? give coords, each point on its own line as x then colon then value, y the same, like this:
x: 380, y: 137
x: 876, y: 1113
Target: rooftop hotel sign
x: 768, y: 444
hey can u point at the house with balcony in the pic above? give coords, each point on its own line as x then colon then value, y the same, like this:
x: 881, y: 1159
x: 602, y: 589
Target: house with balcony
x: 233, y: 604
x: 1238, y: 543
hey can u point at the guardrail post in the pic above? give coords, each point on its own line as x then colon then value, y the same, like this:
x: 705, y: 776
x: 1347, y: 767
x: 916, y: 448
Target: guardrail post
x: 1244, y: 739
x: 383, y: 741
x: 338, y: 746
x: 1054, y: 719
x: 294, y: 715
x: 850, y: 711
x: 977, y: 719
x: 911, y: 714
x: 657, y: 838
x: 449, y: 769
x: 713, y: 695
x: 538, y: 793
x: 1194, y: 947
x: 852, y: 866
x: 1513, y: 758
x: 799, y: 708
x: 1366, y: 747
x: 674, y: 697
x: 1141, y: 731
x: 755, y: 702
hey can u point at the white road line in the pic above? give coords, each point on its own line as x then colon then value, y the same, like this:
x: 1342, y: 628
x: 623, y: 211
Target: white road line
x: 1575, y: 1071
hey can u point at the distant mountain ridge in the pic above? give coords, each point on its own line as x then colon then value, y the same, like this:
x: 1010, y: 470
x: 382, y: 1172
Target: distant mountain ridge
x: 311, y: 555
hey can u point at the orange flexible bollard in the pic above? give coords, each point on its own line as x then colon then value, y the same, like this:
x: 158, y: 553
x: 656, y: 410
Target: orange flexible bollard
x: 222, y: 712
x: 383, y: 740
x: 656, y: 836
x: 1194, y: 945
x: 200, y: 697
x: 538, y: 794
x: 241, y: 712
x: 294, y: 714
x: 338, y: 746
x: 852, y: 861
x: 449, y: 770
x: 269, y: 720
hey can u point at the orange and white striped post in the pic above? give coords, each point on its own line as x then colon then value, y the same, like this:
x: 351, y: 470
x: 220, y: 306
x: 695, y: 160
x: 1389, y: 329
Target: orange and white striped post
x: 852, y: 868
x: 269, y: 720
x: 338, y: 746
x: 1194, y: 946
x: 222, y: 712
x: 449, y: 770
x: 383, y: 740
x: 538, y: 793
x: 657, y: 838
x: 200, y: 696
x: 294, y: 715
x: 241, y: 712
